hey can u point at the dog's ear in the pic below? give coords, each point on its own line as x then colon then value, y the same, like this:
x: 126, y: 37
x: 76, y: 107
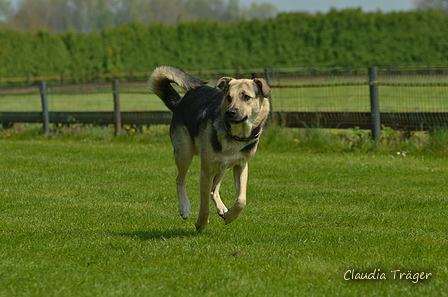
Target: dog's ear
x: 223, y: 83
x: 263, y: 85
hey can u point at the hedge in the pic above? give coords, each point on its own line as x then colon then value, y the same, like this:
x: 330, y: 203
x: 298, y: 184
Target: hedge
x: 337, y: 38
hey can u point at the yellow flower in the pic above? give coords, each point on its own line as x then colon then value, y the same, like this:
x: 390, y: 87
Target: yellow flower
x: 296, y: 140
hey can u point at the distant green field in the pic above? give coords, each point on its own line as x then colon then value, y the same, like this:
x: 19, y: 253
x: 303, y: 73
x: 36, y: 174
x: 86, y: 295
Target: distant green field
x: 92, y: 217
x: 322, y: 94
x: 318, y: 94
x: 82, y: 102
x: 357, y: 98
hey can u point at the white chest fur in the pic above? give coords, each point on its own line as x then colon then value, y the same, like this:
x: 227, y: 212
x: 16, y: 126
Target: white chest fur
x: 231, y: 156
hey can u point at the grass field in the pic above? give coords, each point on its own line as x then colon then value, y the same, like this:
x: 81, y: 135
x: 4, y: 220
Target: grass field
x: 85, y: 215
x: 82, y: 102
x: 356, y: 98
x: 321, y: 94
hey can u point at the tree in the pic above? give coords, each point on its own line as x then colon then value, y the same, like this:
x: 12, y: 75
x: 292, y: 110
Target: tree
x: 50, y: 15
x: 441, y: 5
x: 32, y: 15
x: 260, y: 11
x: 94, y: 15
x: 167, y: 11
x: 137, y: 11
x: 5, y: 9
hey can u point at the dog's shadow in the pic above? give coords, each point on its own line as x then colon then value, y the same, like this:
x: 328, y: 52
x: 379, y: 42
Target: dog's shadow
x: 157, y: 234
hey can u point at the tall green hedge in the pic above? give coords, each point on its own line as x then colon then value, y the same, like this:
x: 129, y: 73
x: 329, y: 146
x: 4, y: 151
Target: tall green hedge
x: 28, y: 53
x: 337, y: 38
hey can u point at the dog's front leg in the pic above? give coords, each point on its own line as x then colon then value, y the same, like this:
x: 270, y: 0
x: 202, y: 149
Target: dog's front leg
x: 220, y: 207
x: 240, y: 173
x: 204, y: 208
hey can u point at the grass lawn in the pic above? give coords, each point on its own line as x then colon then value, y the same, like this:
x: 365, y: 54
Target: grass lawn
x: 82, y: 102
x: 320, y: 94
x: 88, y: 217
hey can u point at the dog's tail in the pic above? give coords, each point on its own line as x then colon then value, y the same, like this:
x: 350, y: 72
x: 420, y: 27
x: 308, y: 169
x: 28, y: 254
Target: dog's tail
x: 160, y: 83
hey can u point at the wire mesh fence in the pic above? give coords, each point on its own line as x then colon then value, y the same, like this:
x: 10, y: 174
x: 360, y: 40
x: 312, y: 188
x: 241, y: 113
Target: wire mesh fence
x: 337, y: 97
x: 321, y: 97
x: 402, y: 89
x: 414, y: 98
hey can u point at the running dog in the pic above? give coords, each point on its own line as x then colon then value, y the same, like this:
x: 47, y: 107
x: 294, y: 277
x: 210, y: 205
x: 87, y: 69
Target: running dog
x: 221, y: 125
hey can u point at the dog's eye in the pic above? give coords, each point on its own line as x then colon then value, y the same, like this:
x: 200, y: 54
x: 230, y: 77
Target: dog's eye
x: 246, y: 97
x: 229, y: 99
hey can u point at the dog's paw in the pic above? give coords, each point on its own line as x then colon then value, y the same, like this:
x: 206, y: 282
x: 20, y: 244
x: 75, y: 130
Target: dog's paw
x: 221, y: 212
x: 184, y: 214
x: 230, y: 216
x: 200, y: 225
x: 184, y: 210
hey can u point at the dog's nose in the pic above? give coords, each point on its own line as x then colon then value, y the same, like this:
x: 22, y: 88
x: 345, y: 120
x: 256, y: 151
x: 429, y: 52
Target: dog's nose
x: 231, y: 113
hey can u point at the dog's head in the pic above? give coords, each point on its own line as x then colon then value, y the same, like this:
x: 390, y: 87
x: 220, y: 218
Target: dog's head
x: 244, y: 99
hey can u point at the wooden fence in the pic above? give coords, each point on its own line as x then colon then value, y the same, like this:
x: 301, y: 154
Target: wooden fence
x: 372, y: 119
x: 237, y: 72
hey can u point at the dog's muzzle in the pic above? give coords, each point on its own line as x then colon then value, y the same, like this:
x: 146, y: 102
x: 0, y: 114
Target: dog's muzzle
x: 233, y: 117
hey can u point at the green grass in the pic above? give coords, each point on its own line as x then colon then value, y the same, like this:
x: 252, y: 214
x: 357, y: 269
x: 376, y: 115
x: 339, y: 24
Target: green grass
x: 356, y: 98
x: 323, y: 98
x: 86, y: 214
x: 82, y: 102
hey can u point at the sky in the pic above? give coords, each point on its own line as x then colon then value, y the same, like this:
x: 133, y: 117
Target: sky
x: 313, y: 6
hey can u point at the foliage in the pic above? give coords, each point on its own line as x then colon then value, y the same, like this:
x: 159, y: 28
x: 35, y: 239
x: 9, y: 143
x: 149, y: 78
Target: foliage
x: 86, y: 52
x: 315, y: 140
x: 441, y: 5
x: 342, y: 38
x: 390, y: 142
x: 39, y: 53
x: 93, y: 15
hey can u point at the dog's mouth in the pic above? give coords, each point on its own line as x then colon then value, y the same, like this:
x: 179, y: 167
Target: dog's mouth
x: 235, y: 121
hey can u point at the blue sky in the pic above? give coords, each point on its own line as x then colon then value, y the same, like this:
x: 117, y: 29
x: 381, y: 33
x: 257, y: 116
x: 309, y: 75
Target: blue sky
x: 325, y: 5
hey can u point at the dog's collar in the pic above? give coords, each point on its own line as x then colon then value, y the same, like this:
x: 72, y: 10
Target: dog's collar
x: 254, y: 135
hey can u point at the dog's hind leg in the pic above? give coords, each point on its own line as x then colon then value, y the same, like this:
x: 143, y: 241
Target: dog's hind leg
x: 183, y: 158
x: 204, y: 209
x: 240, y: 175
x: 220, y: 207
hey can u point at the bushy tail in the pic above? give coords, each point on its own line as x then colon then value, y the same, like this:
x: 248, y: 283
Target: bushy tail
x: 160, y: 83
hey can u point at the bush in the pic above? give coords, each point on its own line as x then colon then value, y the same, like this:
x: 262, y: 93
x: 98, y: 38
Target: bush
x: 338, y: 38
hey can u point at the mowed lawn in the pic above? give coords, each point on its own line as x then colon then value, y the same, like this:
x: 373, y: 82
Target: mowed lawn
x: 99, y: 218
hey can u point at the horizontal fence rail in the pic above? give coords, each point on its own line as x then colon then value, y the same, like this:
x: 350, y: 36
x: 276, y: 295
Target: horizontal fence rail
x: 373, y: 98
x: 417, y: 121
x: 238, y: 72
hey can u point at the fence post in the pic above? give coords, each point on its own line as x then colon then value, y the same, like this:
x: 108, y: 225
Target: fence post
x: 374, y: 103
x: 44, y: 100
x: 268, y: 81
x: 268, y: 75
x: 117, y: 112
